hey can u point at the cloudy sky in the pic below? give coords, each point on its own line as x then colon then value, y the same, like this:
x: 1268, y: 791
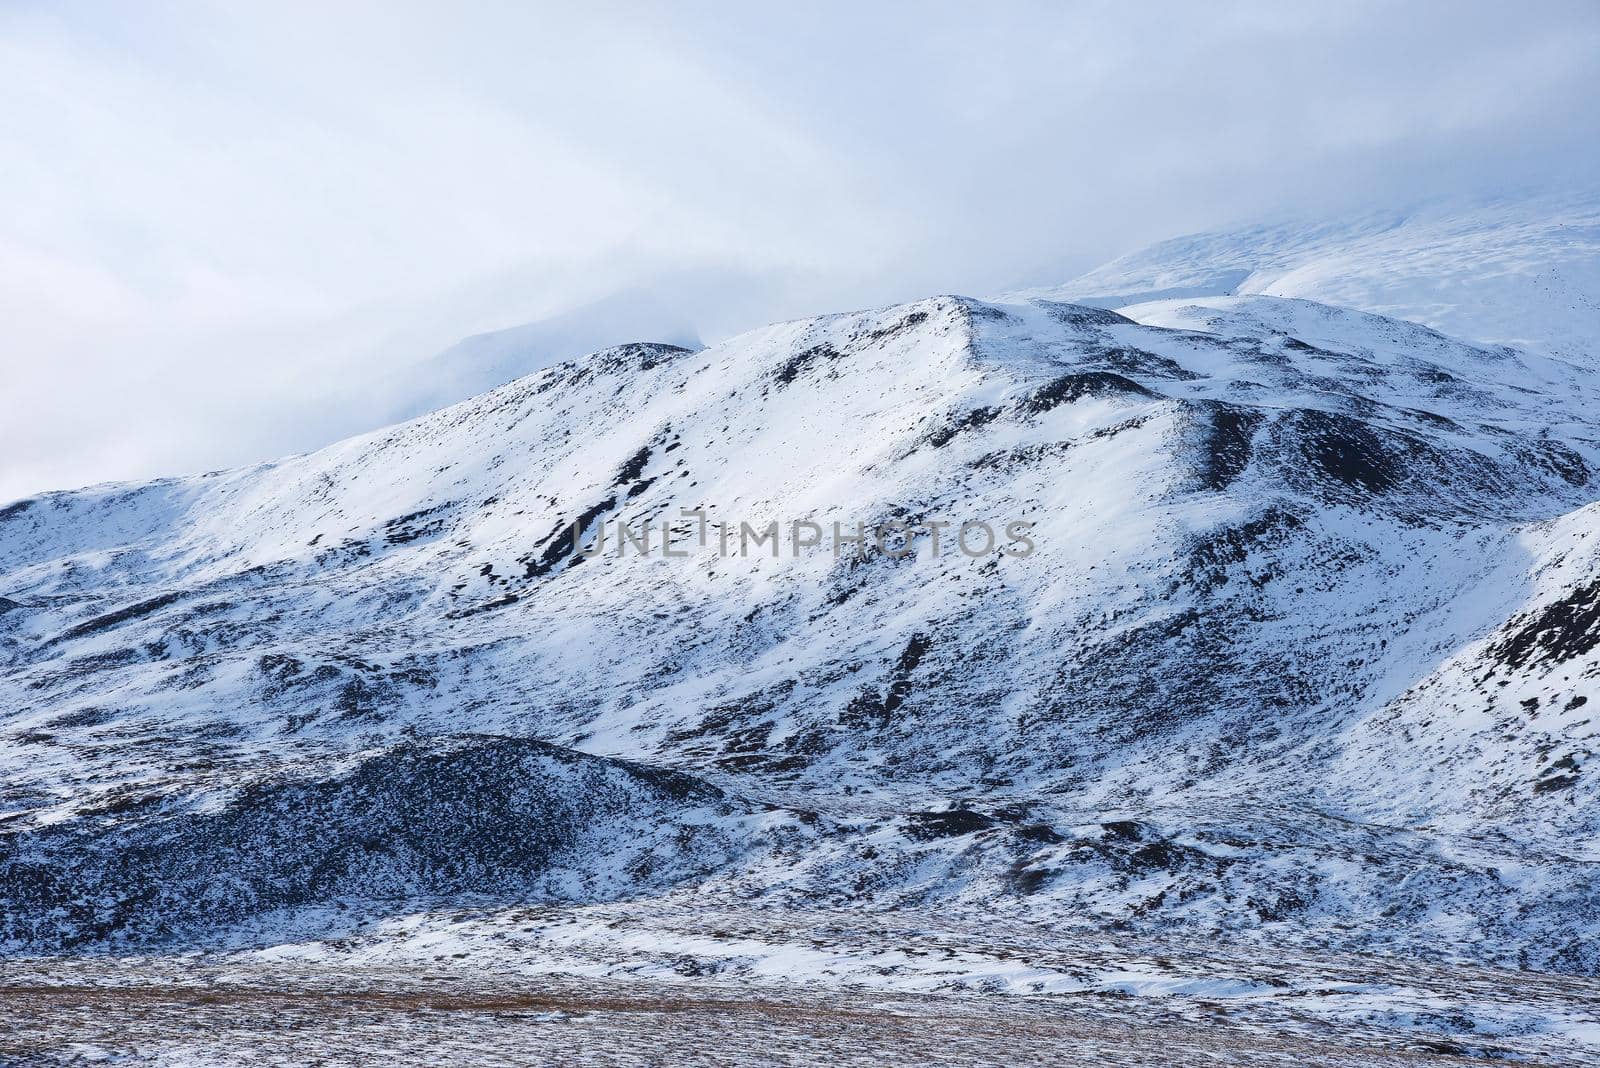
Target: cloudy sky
x: 226, y: 226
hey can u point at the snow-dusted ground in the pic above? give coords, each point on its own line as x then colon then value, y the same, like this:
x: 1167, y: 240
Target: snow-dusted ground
x: 1287, y: 717
x: 679, y: 983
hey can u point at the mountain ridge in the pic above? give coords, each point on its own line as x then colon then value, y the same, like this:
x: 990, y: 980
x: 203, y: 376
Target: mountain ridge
x: 1250, y: 684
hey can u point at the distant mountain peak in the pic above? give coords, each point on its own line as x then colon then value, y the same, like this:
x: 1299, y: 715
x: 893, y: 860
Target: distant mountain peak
x: 1515, y: 270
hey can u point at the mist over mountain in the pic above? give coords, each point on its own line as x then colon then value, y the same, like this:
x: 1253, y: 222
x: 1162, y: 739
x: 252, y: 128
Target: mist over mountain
x: 483, y: 361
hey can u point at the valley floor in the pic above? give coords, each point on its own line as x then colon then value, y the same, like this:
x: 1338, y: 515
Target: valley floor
x: 682, y: 985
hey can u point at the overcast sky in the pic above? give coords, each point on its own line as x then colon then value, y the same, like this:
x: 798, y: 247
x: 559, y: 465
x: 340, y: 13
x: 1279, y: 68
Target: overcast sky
x: 222, y: 223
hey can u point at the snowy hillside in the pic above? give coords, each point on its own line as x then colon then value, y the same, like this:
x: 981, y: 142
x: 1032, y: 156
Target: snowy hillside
x: 1519, y: 271
x: 1305, y: 652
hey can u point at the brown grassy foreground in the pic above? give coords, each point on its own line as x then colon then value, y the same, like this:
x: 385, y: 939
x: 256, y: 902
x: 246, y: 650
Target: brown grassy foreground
x: 239, y: 1018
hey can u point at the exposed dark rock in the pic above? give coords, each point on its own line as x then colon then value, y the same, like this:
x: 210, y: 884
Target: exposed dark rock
x: 947, y: 824
x: 1227, y: 433
x: 803, y: 361
x: 1071, y: 387
x: 475, y: 815
x: 1560, y: 631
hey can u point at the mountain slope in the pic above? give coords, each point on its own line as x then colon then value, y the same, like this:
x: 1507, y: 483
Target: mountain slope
x: 1521, y: 271
x: 1303, y: 652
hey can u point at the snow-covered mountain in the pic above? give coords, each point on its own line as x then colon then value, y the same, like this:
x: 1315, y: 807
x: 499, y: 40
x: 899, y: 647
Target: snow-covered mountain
x: 1305, y: 651
x: 481, y: 362
x: 1516, y: 270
